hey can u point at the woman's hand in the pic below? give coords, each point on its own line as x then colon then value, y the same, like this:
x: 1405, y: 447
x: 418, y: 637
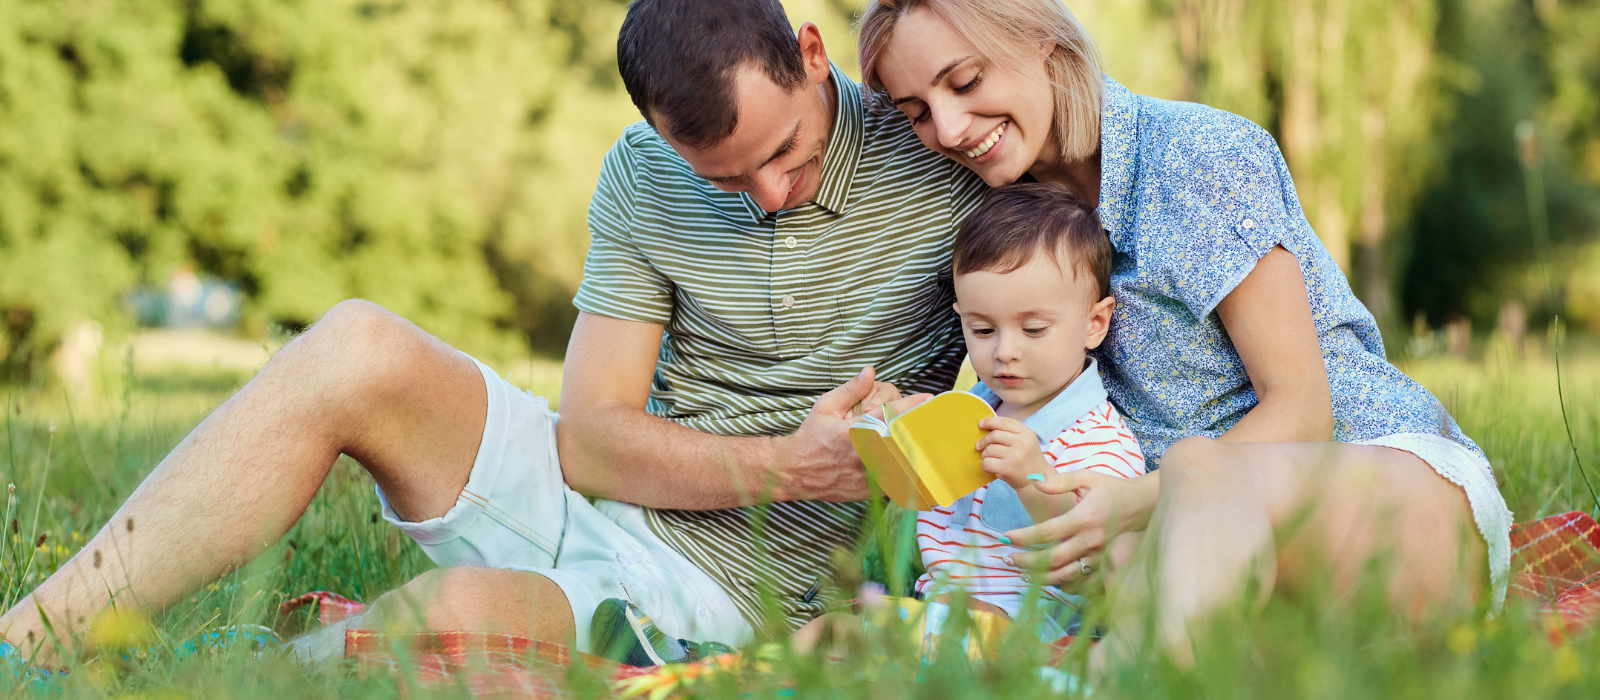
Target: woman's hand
x: 1107, y: 507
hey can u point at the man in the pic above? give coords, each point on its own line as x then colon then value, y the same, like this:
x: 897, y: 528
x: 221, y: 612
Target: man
x: 754, y: 246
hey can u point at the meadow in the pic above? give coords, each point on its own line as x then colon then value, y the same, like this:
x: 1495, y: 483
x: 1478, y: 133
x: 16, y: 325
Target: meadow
x: 72, y: 460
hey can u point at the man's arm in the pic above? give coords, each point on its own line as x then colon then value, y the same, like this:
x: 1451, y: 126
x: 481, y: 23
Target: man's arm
x: 611, y: 448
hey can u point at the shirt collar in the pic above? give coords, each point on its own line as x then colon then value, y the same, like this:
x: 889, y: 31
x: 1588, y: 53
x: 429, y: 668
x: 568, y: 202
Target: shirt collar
x: 843, y: 152
x: 1119, y: 158
x: 1083, y: 395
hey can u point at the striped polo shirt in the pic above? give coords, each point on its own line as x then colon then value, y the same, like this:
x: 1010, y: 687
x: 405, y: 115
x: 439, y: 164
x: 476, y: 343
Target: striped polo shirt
x: 766, y: 311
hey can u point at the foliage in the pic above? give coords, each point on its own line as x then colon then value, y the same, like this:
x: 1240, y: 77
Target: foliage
x: 1471, y: 244
x: 432, y: 156
x: 1331, y: 644
x: 437, y: 157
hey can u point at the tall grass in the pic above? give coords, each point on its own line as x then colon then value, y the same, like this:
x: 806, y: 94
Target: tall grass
x: 73, y: 461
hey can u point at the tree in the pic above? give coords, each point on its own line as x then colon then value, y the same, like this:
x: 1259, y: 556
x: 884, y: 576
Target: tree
x: 435, y: 157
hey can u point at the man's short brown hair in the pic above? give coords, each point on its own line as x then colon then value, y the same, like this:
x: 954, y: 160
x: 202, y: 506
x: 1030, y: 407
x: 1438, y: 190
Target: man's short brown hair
x: 1018, y: 221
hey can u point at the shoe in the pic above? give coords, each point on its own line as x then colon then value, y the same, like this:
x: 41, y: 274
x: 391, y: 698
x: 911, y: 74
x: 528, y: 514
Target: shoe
x: 705, y: 650
x: 256, y: 637
x: 620, y: 632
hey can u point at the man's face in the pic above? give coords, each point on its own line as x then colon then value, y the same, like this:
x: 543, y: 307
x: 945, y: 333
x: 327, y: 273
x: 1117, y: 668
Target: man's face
x: 775, y: 151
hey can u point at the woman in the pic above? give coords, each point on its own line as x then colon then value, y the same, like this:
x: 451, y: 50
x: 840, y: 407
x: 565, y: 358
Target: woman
x: 1252, y: 375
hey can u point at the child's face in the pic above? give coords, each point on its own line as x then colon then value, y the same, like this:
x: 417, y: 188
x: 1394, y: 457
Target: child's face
x: 1028, y: 330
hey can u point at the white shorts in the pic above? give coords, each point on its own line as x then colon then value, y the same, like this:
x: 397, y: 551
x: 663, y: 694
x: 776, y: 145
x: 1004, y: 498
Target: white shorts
x: 517, y: 513
x: 1472, y: 473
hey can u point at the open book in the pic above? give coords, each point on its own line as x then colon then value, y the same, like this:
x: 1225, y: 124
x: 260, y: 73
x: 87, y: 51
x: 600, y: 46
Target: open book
x: 926, y: 455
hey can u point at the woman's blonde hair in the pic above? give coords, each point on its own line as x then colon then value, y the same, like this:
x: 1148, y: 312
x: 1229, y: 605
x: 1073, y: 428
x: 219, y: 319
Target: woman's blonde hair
x: 1010, y: 30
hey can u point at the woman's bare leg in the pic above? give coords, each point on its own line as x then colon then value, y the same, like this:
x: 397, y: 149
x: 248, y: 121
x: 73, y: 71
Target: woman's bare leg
x: 1297, y: 516
x: 362, y: 382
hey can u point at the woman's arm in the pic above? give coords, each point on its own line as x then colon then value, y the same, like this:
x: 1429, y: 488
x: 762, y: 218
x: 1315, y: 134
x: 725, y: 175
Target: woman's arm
x: 1268, y: 318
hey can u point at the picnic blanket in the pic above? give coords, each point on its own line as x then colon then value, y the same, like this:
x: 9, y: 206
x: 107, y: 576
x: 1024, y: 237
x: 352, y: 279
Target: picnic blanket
x: 1555, y: 563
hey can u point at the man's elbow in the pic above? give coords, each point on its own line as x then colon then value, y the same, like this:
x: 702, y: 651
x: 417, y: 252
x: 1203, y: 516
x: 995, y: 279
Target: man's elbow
x: 583, y: 465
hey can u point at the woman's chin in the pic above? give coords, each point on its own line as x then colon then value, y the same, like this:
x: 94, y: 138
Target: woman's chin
x: 998, y: 173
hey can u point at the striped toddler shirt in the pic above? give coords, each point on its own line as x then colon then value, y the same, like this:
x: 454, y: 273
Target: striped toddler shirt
x: 960, y: 544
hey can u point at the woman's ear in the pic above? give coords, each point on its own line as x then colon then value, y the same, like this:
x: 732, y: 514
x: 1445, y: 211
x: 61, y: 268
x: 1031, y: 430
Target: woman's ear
x: 1100, y: 321
x: 1047, y: 48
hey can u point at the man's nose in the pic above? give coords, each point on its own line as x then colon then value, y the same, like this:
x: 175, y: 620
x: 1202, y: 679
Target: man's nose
x: 770, y: 189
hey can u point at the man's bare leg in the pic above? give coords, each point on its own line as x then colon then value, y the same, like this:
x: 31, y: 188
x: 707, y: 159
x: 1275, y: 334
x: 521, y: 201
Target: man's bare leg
x: 361, y: 382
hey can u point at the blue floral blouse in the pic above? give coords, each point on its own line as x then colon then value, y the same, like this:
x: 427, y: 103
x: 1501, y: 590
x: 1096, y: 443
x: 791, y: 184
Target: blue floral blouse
x: 1192, y: 197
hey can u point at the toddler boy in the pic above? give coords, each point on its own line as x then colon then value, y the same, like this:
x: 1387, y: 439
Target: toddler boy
x: 1032, y: 279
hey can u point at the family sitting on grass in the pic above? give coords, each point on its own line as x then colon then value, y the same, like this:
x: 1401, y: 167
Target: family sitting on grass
x: 1178, y: 366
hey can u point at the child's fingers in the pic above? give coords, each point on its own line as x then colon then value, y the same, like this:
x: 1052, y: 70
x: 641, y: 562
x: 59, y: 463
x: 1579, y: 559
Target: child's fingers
x: 1000, y: 437
x: 1009, y: 425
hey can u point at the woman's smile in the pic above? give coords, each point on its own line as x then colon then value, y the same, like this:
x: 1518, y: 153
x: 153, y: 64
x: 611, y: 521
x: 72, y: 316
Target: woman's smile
x: 986, y: 150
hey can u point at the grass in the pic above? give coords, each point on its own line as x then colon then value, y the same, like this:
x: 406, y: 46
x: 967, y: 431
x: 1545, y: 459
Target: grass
x: 73, y: 460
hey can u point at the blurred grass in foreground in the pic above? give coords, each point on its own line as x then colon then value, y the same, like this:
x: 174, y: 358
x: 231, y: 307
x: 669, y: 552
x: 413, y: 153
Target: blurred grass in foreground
x: 73, y: 464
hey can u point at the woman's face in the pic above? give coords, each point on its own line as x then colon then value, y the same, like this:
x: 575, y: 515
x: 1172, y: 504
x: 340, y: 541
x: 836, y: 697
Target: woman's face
x: 993, y: 118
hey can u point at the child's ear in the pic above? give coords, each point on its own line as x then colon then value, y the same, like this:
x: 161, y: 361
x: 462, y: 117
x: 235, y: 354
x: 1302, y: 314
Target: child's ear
x: 1100, y: 321
x: 957, y: 307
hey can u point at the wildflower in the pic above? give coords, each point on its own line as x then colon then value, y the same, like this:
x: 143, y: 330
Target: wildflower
x: 11, y: 488
x: 52, y: 427
x: 121, y: 628
x: 40, y: 541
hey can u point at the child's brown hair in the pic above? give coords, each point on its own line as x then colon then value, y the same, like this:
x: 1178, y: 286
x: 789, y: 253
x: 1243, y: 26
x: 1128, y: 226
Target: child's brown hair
x: 1017, y: 221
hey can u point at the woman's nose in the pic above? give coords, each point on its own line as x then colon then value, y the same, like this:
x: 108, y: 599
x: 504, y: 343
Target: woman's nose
x: 949, y: 126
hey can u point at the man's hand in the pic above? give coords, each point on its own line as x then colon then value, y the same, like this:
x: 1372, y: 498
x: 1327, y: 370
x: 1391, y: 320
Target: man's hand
x: 818, y: 462
x: 882, y: 393
x: 1011, y: 452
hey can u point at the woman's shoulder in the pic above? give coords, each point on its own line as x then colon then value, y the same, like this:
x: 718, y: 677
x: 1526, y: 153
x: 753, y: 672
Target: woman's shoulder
x: 1175, y: 132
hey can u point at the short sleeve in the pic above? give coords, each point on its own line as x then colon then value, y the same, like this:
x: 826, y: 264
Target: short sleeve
x: 618, y: 279
x: 1229, y: 210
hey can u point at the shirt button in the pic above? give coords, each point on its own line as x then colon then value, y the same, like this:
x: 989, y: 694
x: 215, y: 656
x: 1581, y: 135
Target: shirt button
x: 788, y: 300
x: 790, y: 242
x: 1249, y: 223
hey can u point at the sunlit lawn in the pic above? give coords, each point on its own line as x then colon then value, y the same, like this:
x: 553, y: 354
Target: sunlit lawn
x: 73, y: 460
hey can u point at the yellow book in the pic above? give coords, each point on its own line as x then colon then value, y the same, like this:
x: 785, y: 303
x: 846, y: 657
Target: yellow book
x: 927, y: 455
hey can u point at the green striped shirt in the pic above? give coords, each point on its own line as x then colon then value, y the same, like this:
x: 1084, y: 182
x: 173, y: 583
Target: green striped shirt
x: 764, y: 312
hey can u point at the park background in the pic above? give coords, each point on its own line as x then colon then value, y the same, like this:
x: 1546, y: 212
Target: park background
x: 437, y: 157
x: 184, y: 184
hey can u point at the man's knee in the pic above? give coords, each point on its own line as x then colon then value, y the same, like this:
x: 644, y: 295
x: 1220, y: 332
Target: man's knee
x: 364, y: 343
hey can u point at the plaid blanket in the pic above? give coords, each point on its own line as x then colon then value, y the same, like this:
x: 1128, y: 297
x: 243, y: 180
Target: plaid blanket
x: 1555, y: 563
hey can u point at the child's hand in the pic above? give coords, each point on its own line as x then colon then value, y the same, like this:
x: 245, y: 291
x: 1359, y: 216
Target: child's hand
x: 1011, y: 451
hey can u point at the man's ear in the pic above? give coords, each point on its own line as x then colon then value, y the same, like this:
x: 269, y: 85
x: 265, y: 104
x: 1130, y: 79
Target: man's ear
x: 812, y: 53
x: 1100, y: 321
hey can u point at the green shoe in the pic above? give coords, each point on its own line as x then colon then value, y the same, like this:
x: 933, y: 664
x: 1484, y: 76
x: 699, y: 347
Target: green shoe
x: 620, y: 632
